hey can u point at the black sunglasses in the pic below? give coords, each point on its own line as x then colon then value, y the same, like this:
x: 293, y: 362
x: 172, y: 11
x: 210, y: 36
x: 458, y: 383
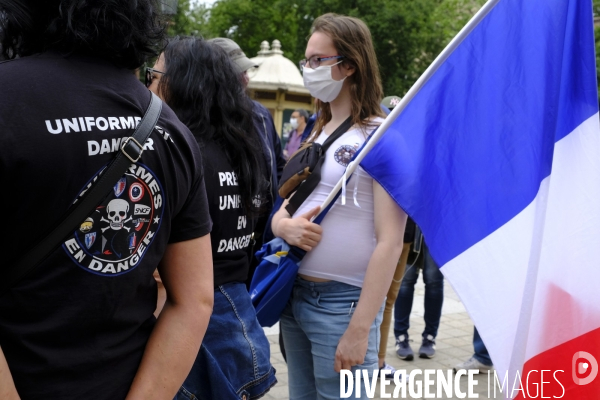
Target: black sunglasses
x: 150, y: 75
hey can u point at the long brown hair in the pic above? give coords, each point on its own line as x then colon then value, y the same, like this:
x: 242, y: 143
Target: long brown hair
x: 352, y: 39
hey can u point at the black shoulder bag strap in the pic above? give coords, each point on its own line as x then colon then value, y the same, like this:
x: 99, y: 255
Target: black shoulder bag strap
x: 309, y: 185
x: 131, y: 151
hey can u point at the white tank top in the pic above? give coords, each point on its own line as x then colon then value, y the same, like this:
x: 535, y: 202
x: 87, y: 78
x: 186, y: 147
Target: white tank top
x: 348, y: 239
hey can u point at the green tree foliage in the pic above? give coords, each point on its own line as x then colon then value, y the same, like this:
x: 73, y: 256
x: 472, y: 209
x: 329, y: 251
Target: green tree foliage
x: 451, y: 15
x: 408, y: 34
x: 402, y: 34
x: 188, y: 20
x: 249, y: 22
x: 402, y: 31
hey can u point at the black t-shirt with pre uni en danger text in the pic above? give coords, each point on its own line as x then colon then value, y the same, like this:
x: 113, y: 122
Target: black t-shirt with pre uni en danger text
x: 232, y: 230
x: 76, y: 327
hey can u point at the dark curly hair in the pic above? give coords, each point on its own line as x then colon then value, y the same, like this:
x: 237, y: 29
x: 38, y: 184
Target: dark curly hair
x: 206, y: 92
x: 125, y: 32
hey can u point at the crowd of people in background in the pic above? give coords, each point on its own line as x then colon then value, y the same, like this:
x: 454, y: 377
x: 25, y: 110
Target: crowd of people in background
x: 147, y: 298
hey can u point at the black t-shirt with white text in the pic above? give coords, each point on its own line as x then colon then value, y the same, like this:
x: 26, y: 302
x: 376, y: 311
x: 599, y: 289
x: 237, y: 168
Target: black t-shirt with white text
x: 232, y: 229
x: 76, y: 327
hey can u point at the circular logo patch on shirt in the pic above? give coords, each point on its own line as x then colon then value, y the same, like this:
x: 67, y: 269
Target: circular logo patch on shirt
x: 114, y: 239
x: 344, y: 154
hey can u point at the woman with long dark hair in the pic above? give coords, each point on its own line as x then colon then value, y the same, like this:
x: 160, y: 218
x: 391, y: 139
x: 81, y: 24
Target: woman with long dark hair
x: 331, y: 321
x: 199, y: 82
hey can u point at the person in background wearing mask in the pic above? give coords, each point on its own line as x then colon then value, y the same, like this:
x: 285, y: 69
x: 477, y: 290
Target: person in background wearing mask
x: 298, y: 122
x: 331, y: 321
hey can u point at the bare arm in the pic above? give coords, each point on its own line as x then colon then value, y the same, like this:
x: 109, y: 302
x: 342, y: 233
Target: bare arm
x: 7, y: 385
x: 297, y: 231
x: 162, y: 294
x: 187, y: 274
x: 390, y: 221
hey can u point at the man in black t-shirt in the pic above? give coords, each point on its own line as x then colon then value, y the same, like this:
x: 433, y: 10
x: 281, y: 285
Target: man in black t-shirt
x: 81, y: 324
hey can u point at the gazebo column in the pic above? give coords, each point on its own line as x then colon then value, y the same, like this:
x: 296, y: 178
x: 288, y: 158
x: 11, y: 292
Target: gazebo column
x: 279, y: 110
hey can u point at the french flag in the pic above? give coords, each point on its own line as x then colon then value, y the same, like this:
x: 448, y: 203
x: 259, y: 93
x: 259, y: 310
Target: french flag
x: 497, y: 159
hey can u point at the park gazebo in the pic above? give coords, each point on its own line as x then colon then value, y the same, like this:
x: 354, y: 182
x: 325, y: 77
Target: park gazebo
x: 277, y: 84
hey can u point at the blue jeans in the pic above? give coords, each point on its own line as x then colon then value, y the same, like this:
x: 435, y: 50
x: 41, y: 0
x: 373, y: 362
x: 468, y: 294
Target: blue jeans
x: 314, y: 320
x: 234, y: 359
x: 481, y: 353
x: 434, y: 297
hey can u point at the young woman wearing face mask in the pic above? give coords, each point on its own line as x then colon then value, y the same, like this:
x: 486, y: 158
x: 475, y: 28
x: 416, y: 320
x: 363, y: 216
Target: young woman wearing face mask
x: 194, y: 77
x: 331, y: 320
x: 298, y: 121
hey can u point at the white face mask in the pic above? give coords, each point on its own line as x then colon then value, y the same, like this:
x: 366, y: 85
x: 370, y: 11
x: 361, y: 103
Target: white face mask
x: 294, y: 123
x: 320, y: 83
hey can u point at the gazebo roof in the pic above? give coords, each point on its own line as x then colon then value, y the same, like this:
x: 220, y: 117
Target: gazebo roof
x: 275, y: 71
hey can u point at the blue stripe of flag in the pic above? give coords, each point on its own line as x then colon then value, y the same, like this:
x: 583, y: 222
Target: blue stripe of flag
x: 471, y: 149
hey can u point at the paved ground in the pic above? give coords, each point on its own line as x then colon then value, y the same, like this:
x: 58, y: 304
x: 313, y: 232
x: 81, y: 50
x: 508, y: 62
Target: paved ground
x: 454, y: 345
